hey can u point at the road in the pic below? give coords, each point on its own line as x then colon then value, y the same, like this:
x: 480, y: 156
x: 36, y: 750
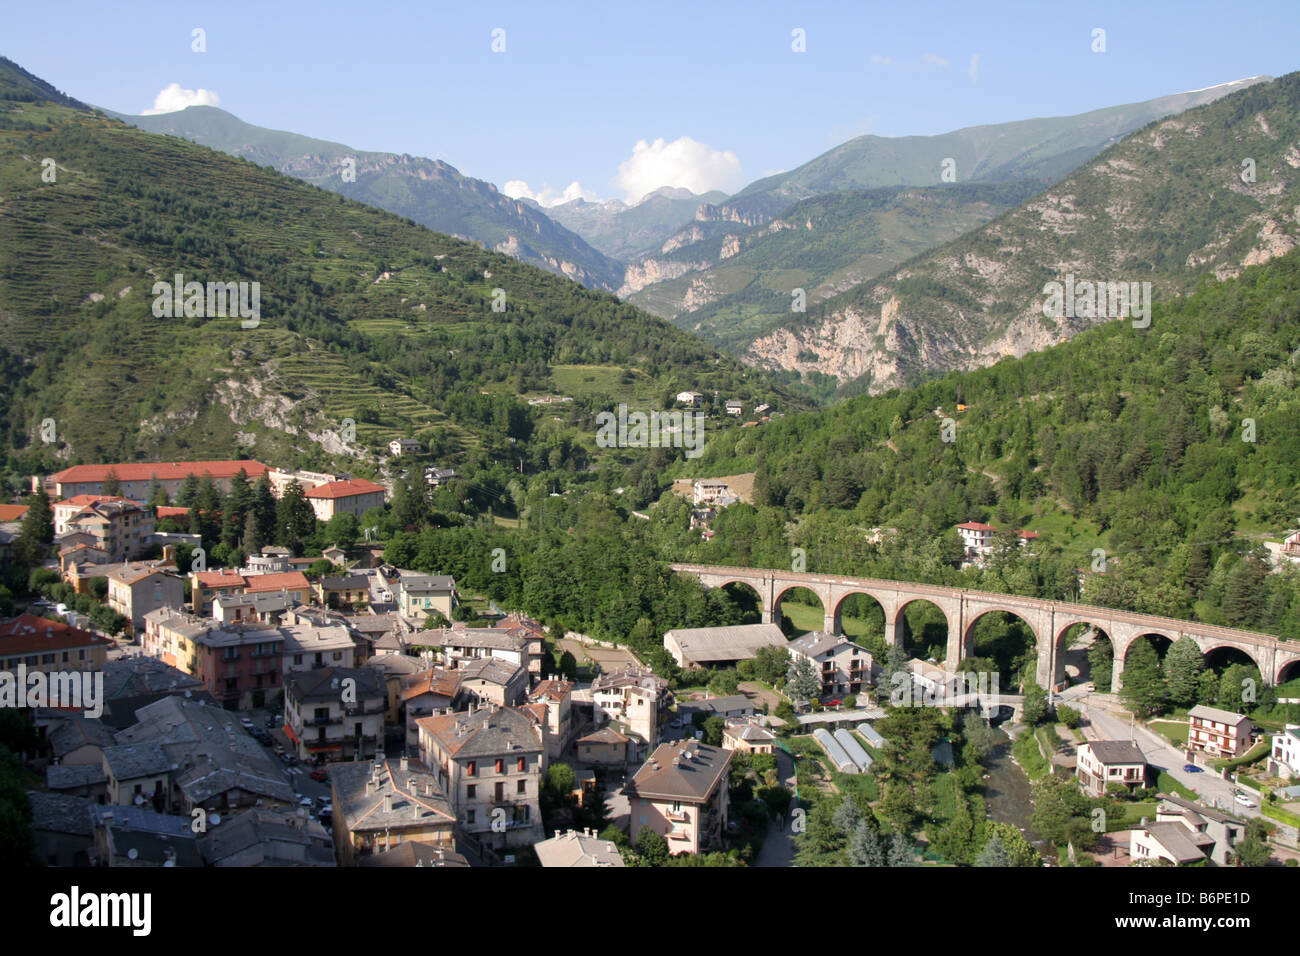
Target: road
x: 1113, y: 724
x: 778, y: 844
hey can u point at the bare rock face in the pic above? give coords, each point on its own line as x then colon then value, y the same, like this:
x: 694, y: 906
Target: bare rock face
x: 730, y: 246
x: 649, y: 271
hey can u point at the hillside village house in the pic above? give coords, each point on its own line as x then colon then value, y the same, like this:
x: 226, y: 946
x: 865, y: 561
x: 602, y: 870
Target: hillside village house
x: 605, y: 748
x: 577, y: 849
x: 121, y: 528
x: 134, y: 478
x: 335, y: 713
x: 556, y: 696
x: 1103, y: 762
x: 264, y: 607
x: 348, y: 589
x: 355, y: 496
x: 421, y: 594
x: 1187, y: 832
x: 425, y: 694
x: 310, y: 643
x: 492, y: 680
x: 206, y: 585
x: 681, y: 794
x: 691, y: 399
x: 1284, y: 755
x: 382, y: 805
x: 404, y: 446
x: 844, y: 667
x: 634, y: 700
x: 136, y: 589
x: 735, y: 407
x: 489, y: 763
x: 239, y: 664
x: 977, y: 540
x: 747, y: 735
x: 41, y: 644
x: 1217, y: 732
x: 709, y: 492
x: 292, y: 583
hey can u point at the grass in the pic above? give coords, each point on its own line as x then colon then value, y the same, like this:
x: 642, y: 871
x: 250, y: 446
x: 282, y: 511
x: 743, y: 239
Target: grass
x: 1280, y: 815
x: 1031, y: 760
x: 1167, y: 784
x: 1175, y: 733
x: 1250, y: 756
x: 1125, y: 815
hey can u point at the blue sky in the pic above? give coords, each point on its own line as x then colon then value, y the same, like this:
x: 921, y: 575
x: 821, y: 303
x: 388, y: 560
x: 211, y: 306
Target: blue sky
x: 621, y: 99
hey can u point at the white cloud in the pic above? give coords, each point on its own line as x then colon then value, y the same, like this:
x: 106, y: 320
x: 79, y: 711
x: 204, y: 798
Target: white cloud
x: 974, y: 68
x: 935, y: 60
x: 683, y: 163
x: 546, y: 196
x: 175, y: 98
x: 882, y: 60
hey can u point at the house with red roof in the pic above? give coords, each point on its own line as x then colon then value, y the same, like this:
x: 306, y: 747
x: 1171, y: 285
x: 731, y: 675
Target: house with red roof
x: 134, y: 477
x: 354, y: 496
x: 41, y: 644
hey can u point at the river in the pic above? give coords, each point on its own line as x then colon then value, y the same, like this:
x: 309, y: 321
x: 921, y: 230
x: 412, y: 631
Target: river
x: 1007, y: 797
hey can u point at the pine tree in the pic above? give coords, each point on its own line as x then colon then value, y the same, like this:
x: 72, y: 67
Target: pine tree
x: 802, y: 682
x: 263, y: 508
x: 994, y: 853
x: 1243, y: 598
x: 899, y: 852
x: 295, y: 518
x: 864, y: 845
x: 111, y: 486
x: 252, y: 541
x: 1183, y: 667
x: 1144, y: 689
x: 36, y: 531
x: 188, y: 492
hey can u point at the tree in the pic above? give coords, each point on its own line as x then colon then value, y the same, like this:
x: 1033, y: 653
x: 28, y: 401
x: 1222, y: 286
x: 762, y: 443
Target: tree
x: 36, y: 531
x: 1144, y: 690
x: 1068, y: 716
x: 252, y: 540
x: 1018, y: 849
x: 981, y: 735
x: 865, y: 848
x: 343, y: 529
x: 294, y: 516
x: 560, y: 778
x: 899, y: 851
x: 1184, y: 665
x: 263, y: 507
x: 802, y: 681
x: 713, y: 728
x: 1239, y: 687
x: 1101, y: 663
x: 1035, y: 708
x: 994, y: 853
x: 651, y: 847
x: 110, y: 486
x: 1253, y: 849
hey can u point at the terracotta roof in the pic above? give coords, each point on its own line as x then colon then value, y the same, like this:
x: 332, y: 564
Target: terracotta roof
x: 292, y: 580
x: 976, y: 526
x: 28, y: 633
x: 435, y: 681
x: 167, y: 511
x: 85, y: 501
x: 220, y: 579
x: 345, y: 489
x: 163, y: 470
x: 12, y: 512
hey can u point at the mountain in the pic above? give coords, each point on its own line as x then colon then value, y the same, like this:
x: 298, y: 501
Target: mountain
x: 1027, y: 149
x: 627, y: 231
x: 428, y: 191
x: 822, y: 245
x: 685, y: 279
x: 356, y: 314
x: 1168, y: 205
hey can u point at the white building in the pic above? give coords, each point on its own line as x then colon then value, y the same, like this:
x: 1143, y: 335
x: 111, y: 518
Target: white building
x: 1284, y: 757
x: 404, y: 446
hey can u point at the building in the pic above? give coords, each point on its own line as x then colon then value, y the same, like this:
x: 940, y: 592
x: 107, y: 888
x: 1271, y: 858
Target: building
x: 1103, y: 762
x: 735, y: 407
x: 335, y: 713
x: 136, y: 589
x: 721, y: 646
x: 206, y: 585
x: 844, y: 667
x: 349, y: 589
x: 556, y: 696
x: 309, y: 644
x: 404, y: 446
x: 135, y: 837
x: 691, y: 399
x: 62, y: 828
x: 135, y: 478
x: 748, y: 736
x: 292, y: 583
x: 379, y: 806
x: 707, y: 491
x: 463, y: 645
x: 489, y: 763
x: 572, y: 848
x: 264, y: 607
x: 606, y: 748
x: 734, y: 705
x: 41, y: 644
x: 355, y: 496
x: 1187, y: 832
x: 494, y: 681
x: 239, y: 664
x: 976, y: 540
x: 634, y: 701
x: 287, y: 837
x: 1217, y: 732
x: 421, y: 594
x: 1284, y: 756
x: 430, y: 692
x: 437, y: 477
x: 121, y: 528
x: 681, y: 794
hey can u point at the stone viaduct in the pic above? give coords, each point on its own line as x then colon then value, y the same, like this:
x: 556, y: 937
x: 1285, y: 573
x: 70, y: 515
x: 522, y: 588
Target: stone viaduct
x: 1277, y: 660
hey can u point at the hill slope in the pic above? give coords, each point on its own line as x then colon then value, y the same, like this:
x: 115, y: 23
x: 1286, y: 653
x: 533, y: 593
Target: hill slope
x: 429, y: 191
x: 628, y: 231
x: 362, y: 316
x: 1167, y: 205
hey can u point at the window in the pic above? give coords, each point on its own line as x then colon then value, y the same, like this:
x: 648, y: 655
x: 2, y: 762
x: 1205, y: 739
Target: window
x: 469, y: 816
x: 471, y: 768
x: 523, y: 764
x: 471, y: 791
x: 297, y: 658
x: 500, y: 765
x: 338, y: 655
x: 521, y: 787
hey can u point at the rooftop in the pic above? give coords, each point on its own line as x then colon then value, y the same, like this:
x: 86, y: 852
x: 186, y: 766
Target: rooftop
x: 683, y: 770
x: 387, y: 794
x: 486, y: 732
x: 704, y: 644
x: 577, y: 849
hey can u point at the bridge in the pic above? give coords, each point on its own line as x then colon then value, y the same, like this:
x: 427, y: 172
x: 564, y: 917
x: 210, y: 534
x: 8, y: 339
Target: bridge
x: 1049, y: 620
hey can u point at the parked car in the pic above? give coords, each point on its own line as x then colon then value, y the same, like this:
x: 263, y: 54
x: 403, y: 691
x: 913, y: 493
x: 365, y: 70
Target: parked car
x: 246, y: 723
x: 1244, y: 800
x: 306, y: 802
x: 320, y: 775
x: 1192, y: 768
x: 272, y: 722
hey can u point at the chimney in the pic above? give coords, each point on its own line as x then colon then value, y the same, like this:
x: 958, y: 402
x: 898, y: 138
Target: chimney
x: 388, y: 803
x: 405, y: 765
